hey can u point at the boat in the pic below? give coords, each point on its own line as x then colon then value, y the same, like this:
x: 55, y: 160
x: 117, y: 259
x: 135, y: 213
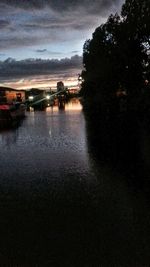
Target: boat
x: 10, y: 113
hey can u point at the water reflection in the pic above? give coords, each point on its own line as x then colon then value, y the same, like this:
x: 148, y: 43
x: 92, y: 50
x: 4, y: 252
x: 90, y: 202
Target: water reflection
x: 119, y: 154
x: 73, y: 104
x: 9, y: 136
x: 64, y: 201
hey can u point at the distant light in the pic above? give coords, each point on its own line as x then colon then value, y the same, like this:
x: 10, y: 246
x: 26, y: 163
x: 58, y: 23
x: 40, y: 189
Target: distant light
x: 31, y: 97
x: 48, y: 97
x: 146, y: 82
x: 121, y: 93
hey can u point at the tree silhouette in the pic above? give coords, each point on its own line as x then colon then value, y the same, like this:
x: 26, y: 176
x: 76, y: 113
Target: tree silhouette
x: 117, y: 58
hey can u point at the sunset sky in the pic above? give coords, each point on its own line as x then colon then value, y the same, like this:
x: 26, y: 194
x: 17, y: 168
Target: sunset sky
x: 41, y: 41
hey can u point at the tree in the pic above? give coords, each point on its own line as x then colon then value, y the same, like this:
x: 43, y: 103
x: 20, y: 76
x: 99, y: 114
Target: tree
x: 100, y: 61
x: 117, y: 55
x: 135, y: 14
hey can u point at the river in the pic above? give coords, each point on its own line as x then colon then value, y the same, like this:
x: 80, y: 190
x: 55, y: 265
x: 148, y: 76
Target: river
x: 60, y: 205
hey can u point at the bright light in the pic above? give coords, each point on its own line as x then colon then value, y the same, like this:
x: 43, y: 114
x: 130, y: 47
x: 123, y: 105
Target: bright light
x: 31, y: 97
x: 48, y: 97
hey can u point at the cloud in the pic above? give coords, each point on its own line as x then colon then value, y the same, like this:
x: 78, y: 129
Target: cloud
x: 23, y: 4
x: 60, y: 5
x: 16, y: 41
x: 12, y: 69
x: 49, y: 52
x: 4, y: 23
x: 41, y: 50
x: 32, y: 28
x: 75, y: 52
x: 36, y: 25
x: 57, y: 12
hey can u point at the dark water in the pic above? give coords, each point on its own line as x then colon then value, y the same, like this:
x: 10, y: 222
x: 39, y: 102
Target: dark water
x: 61, y: 204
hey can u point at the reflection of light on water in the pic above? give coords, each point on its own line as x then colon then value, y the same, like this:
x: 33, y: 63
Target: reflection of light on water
x: 74, y: 104
x: 51, y: 109
x: 31, y: 109
x: 50, y: 132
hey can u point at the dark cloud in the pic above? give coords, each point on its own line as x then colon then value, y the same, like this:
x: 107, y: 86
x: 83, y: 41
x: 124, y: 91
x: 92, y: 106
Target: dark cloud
x: 75, y: 51
x: 53, y: 24
x: 60, y: 5
x: 17, y: 41
x: 12, y: 69
x: 24, y: 3
x: 31, y: 28
x: 73, y: 13
x: 59, y: 25
x: 4, y: 23
x: 41, y: 50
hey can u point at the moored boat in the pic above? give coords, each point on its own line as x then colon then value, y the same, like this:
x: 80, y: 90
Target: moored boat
x: 10, y: 113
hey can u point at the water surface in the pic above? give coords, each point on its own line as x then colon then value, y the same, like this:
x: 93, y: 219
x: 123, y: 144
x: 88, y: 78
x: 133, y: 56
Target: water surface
x: 62, y: 206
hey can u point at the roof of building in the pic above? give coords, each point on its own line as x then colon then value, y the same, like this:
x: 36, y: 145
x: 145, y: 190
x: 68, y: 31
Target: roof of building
x: 2, y: 88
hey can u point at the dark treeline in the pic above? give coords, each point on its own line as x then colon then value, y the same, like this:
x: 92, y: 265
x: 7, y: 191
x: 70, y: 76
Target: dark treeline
x: 116, y: 62
x: 116, y: 87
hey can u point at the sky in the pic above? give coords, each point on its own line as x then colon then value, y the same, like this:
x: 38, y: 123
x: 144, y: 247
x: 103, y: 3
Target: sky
x: 41, y: 41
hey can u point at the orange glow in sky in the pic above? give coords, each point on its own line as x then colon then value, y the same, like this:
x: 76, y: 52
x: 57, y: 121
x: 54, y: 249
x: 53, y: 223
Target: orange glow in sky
x: 40, y: 82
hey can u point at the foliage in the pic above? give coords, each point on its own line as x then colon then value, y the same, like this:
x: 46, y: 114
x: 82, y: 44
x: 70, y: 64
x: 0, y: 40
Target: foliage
x: 117, y: 57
